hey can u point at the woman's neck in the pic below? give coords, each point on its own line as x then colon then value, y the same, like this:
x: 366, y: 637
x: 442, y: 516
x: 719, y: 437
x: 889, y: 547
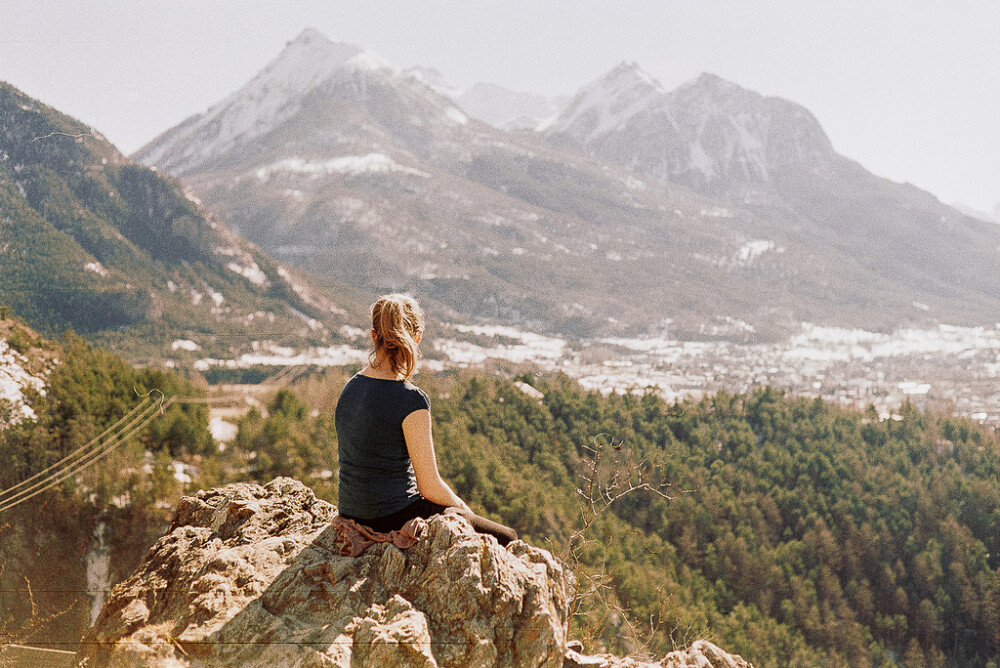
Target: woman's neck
x: 380, y: 369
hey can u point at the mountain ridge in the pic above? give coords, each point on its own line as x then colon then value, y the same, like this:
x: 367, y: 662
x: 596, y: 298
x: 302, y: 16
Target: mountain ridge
x: 672, y: 185
x: 704, y: 132
x: 259, y: 104
x: 119, y: 253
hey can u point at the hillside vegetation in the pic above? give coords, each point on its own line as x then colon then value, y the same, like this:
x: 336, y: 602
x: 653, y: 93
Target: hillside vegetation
x: 798, y: 533
x: 121, y: 254
x: 47, y: 532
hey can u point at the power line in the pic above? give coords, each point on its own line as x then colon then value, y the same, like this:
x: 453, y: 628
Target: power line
x: 79, y: 450
x: 93, y: 451
x: 90, y: 459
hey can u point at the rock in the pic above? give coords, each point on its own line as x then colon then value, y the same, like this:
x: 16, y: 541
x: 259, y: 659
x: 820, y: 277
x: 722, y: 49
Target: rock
x: 701, y: 654
x: 251, y: 576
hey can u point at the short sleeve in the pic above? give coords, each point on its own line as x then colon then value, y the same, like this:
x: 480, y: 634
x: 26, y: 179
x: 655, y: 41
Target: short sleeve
x: 416, y: 400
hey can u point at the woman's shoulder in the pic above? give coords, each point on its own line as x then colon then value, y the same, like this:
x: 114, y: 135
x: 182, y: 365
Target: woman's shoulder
x: 416, y: 395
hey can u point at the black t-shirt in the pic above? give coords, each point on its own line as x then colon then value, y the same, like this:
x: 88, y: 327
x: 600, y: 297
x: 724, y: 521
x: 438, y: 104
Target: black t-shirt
x: 376, y: 475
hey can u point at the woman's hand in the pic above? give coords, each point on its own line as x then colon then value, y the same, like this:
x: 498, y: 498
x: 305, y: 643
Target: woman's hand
x: 420, y: 446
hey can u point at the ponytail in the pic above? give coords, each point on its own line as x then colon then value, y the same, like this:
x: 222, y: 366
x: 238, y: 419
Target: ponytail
x: 396, y: 321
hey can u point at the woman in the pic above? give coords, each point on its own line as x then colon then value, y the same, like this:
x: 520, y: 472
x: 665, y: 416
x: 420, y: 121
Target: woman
x: 388, y: 471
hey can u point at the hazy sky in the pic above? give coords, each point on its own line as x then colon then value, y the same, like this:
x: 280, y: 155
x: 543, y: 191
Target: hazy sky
x: 911, y: 90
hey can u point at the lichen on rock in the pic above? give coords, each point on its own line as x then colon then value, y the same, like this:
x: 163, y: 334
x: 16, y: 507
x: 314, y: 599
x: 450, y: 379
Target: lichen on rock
x: 250, y: 575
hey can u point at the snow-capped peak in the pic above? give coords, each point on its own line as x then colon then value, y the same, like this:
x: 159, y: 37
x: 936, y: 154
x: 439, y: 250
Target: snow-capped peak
x: 434, y: 80
x: 708, y: 134
x: 605, y: 104
x: 305, y: 62
x: 310, y: 35
x: 369, y: 61
x: 267, y: 99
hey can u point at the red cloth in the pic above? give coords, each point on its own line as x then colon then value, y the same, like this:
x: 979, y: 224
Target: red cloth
x: 355, y: 538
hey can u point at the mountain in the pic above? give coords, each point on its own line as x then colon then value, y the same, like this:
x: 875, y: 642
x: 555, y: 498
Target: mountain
x: 379, y: 181
x: 507, y: 109
x: 121, y: 254
x: 636, y: 208
x: 771, y: 158
x: 253, y: 123
x: 498, y: 106
x: 989, y: 217
x: 271, y: 97
x: 710, y: 134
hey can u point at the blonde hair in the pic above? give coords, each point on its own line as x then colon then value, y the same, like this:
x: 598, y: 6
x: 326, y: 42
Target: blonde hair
x: 397, y: 321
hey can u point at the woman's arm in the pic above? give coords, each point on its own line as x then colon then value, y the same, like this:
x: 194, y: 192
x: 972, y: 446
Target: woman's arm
x: 420, y: 446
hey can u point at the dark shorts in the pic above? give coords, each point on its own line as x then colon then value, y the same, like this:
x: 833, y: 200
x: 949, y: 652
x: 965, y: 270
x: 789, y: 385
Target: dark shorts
x: 395, y: 521
x: 426, y: 509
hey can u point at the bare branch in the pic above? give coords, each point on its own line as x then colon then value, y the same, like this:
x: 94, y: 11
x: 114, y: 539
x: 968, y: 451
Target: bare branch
x: 610, y: 473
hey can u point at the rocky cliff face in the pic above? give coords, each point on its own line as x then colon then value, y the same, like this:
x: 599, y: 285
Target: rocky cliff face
x: 251, y: 576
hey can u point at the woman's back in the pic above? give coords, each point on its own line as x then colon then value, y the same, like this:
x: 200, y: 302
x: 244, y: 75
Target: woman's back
x: 376, y: 475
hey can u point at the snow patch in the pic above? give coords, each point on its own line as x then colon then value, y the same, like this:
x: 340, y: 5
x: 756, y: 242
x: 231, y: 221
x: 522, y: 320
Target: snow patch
x: 15, y: 380
x: 633, y: 183
x: 351, y: 165
x: 252, y: 273
x: 752, y: 250
x: 268, y: 354
x: 529, y: 390
x: 182, y: 472
x: 369, y: 61
x: 97, y: 268
x: 716, y: 212
x: 311, y: 323
x: 457, y: 116
x: 222, y: 430
x: 530, y: 346
x: 351, y: 332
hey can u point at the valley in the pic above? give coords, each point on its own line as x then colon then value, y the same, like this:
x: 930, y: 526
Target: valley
x: 948, y: 370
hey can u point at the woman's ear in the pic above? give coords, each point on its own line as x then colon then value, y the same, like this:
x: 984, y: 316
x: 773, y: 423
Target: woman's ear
x: 373, y: 337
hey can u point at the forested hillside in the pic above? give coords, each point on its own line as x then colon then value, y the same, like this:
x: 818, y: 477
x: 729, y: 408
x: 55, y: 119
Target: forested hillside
x: 55, y: 528
x: 122, y: 255
x: 798, y: 533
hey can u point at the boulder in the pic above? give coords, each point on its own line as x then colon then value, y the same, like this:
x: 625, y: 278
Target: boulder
x: 250, y: 575
x: 701, y: 654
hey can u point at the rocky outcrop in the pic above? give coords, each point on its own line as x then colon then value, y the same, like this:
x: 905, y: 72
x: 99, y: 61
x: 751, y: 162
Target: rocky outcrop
x: 701, y: 654
x: 252, y: 575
